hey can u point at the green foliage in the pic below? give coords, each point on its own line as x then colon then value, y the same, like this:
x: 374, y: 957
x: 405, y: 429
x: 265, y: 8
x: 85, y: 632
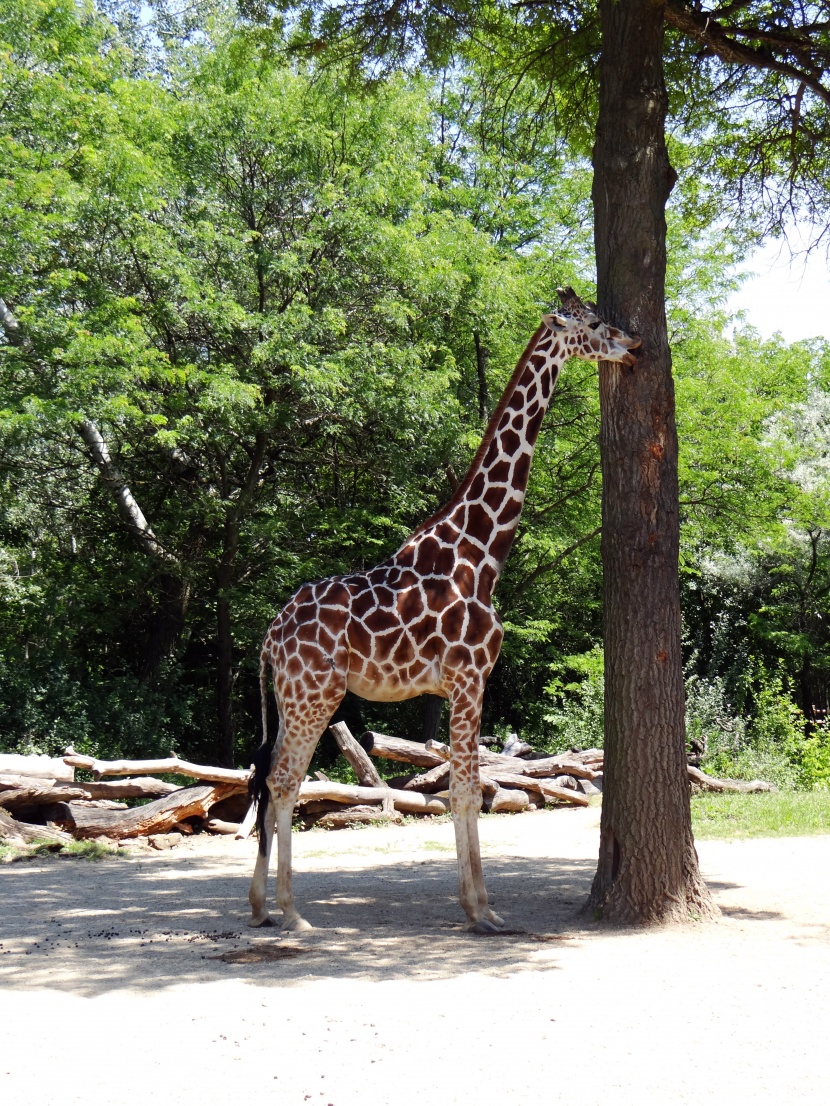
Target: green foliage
x: 774, y: 743
x: 277, y: 298
x: 577, y: 689
x: 711, y: 723
x: 289, y: 305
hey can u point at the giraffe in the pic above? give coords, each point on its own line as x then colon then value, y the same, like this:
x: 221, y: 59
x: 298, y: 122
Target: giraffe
x: 420, y: 622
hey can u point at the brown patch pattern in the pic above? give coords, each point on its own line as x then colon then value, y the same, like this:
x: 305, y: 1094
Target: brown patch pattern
x: 422, y: 621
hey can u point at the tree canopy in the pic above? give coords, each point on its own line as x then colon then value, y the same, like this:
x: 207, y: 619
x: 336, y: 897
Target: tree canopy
x: 286, y: 304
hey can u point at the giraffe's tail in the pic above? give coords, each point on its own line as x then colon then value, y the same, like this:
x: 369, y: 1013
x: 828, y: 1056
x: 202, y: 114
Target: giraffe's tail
x: 258, y: 784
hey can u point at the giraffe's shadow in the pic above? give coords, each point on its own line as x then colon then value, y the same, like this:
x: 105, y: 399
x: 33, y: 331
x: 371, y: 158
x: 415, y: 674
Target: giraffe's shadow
x: 163, y: 921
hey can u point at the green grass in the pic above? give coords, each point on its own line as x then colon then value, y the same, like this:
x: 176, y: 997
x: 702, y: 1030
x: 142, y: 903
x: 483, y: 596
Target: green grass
x: 84, y: 850
x: 780, y: 814
x: 92, y: 850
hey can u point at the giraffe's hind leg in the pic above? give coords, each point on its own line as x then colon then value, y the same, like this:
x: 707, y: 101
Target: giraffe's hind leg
x: 257, y: 896
x: 304, y: 725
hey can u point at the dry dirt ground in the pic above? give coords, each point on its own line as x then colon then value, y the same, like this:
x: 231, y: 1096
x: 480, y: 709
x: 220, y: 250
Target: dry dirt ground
x: 130, y: 980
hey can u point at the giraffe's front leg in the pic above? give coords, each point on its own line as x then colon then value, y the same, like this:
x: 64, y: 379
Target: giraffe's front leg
x: 465, y: 802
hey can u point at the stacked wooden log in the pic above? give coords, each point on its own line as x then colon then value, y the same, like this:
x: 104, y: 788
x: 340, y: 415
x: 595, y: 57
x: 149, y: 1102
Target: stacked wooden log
x: 508, y: 782
x: 40, y: 799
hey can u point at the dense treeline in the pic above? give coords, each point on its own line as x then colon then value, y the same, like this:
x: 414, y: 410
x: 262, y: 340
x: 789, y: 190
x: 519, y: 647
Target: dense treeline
x: 286, y: 310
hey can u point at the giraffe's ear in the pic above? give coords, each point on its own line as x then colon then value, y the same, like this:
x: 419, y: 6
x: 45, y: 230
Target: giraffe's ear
x: 554, y: 321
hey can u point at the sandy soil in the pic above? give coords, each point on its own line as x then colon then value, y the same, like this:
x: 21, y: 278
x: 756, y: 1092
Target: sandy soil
x: 111, y: 989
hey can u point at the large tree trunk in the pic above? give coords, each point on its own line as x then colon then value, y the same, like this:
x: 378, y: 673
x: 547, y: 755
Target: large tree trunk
x: 648, y: 868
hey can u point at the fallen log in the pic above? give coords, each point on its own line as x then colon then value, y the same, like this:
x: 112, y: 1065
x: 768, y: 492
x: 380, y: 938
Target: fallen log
x: 407, y: 802
x: 711, y: 783
x: 39, y: 796
x: 554, y: 793
x: 361, y: 762
x: 589, y: 756
x: 435, y: 779
x: 319, y: 806
x: 512, y: 801
x: 139, y: 787
x: 549, y: 789
x: 488, y: 786
x: 14, y: 832
x: 515, y: 747
x: 10, y: 781
x: 11, y: 831
x: 439, y: 749
x: 45, y: 767
x: 398, y: 783
x: 552, y: 766
x: 350, y: 816
x: 356, y: 755
x: 399, y: 748
x: 172, y: 765
x: 537, y: 768
x: 101, y: 804
x: 589, y: 787
x: 156, y: 817
x: 216, y: 825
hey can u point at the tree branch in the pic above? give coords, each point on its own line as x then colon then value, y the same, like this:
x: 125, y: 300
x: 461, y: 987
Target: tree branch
x: 703, y: 27
x: 549, y: 566
x: 125, y: 501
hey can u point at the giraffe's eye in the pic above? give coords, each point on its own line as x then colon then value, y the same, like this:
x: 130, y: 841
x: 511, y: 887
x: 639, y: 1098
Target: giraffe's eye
x: 593, y: 326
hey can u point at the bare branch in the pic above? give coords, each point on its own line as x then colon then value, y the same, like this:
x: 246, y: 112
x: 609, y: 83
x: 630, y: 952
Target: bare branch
x: 125, y: 501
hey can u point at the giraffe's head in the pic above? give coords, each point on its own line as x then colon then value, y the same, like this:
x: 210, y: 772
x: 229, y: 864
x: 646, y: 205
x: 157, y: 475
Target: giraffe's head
x: 585, y: 334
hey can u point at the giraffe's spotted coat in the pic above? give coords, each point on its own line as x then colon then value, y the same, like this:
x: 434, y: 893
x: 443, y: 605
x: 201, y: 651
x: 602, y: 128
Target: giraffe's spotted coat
x: 423, y: 621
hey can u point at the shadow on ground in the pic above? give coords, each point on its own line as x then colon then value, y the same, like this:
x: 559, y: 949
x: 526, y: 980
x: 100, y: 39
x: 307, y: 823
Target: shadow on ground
x: 91, y: 927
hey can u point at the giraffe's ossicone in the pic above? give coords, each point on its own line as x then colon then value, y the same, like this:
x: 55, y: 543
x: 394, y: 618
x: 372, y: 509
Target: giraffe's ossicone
x: 420, y: 622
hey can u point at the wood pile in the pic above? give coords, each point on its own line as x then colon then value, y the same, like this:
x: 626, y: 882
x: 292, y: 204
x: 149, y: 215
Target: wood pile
x: 40, y: 799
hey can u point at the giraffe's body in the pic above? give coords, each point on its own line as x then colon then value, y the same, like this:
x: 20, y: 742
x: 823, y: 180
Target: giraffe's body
x: 423, y: 621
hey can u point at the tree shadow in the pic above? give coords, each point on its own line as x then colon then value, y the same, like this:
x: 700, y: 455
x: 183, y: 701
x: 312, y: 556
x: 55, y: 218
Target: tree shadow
x: 155, y: 922
x: 744, y: 914
x: 91, y: 928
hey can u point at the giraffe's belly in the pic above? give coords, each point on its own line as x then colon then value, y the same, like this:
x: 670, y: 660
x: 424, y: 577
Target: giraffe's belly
x: 393, y: 687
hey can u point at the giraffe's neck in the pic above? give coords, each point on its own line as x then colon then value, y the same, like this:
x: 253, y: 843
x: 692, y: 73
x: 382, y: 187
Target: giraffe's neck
x: 481, y: 519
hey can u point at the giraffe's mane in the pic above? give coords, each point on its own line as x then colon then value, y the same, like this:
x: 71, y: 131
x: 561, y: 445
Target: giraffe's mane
x: 489, y: 433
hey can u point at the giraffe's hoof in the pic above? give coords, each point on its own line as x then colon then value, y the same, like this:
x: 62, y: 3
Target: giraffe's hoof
x: 261, y: 923
x: 482, y: 926
x: 491, y: 916
x: 296, y: 925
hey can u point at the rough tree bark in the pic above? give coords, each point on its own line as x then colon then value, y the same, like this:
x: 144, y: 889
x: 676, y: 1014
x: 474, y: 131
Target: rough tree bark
x: 648, y: 869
